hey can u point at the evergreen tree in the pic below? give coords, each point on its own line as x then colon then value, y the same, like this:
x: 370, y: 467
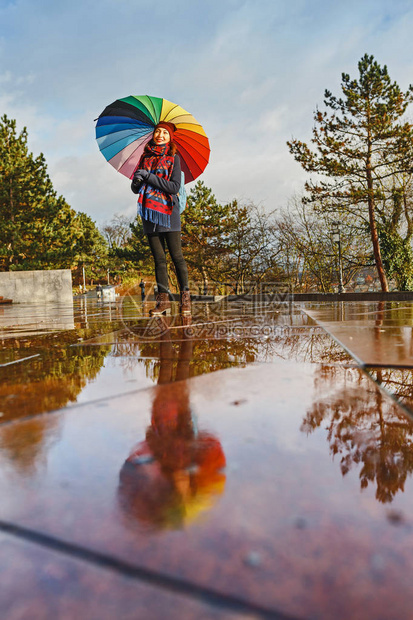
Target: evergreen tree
x: 230, y: 244
x: 252, y: 245
x: 205, y: 229
x: 38, y: 229
x: 133, y: 250
x: 359, y: 146
x: 89, y: 247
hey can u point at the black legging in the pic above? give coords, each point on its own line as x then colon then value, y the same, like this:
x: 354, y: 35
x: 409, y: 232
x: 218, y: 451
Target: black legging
x: 157, y: 245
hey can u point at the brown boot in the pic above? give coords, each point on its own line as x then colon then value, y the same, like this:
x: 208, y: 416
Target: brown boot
x: 163, y: 305
x: 185, y: 306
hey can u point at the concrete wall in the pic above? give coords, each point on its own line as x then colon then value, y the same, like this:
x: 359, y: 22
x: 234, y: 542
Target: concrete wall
x: 54, y: 285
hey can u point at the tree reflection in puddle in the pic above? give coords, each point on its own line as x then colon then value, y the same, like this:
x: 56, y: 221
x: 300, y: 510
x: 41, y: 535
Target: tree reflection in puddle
x: 49, y: 381
x: 365, y: 429
x: 398, y: 382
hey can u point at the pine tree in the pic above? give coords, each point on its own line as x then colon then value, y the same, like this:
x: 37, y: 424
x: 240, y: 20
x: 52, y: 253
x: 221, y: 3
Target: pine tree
x: 359, y: 147
x: 205, y: 229
x: 251, y: 247
x: 135, y: 252
x: 38, y: 229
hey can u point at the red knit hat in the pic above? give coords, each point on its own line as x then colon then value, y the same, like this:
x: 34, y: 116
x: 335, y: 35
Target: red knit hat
x: 170, y: 127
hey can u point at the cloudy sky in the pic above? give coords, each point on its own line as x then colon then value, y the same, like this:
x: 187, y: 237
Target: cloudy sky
x: 251, y: 71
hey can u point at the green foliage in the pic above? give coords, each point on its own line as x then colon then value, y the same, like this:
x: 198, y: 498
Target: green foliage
x: 395, y: 230
x: 360, y: 142
x: 252, y: 247
x: 38, y: 229
x: 205, y: 228
x: 229, y: 244
x: 134, y: 252
x: 90, y: 244
x: 397, y: 258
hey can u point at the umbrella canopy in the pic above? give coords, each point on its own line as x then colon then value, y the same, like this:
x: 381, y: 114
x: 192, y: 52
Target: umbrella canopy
x: 126, y: 125
x: 162, y: 497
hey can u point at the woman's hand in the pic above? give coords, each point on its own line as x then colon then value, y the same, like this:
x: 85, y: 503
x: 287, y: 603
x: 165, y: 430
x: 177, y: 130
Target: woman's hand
x: 140, y: 176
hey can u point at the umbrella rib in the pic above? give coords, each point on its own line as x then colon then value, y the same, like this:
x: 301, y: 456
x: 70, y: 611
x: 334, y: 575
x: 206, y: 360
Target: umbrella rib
x: 191, y: 163
x: 204, y: 144
x: 170, y: 111
x: 113, y: 145
x: 135, y: 136
x: 133, y: 156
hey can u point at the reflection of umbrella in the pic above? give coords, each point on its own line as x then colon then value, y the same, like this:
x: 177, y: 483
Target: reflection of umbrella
x: 126, y: 125
x: 172, y: 497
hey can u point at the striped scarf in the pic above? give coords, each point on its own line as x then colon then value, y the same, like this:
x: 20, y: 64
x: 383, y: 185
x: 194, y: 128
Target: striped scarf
x: 153, y: 204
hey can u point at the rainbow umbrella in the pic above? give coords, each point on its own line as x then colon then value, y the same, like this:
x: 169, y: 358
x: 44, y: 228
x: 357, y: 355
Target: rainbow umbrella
x: 126, y: 125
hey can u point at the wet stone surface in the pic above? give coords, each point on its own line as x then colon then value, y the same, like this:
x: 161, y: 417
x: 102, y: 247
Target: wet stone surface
x: 57, y: 585
x: 242, y: 464
x: 101, y: 357
x: 378, y: 334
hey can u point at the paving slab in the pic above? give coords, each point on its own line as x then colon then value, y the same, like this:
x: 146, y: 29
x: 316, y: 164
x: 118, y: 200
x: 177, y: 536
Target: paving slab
x: 241, y: 465
x: 377, y: 334
x: 285, y: 486
x: 43, y: 583
x: 65, y: 371
x: 396, y: 381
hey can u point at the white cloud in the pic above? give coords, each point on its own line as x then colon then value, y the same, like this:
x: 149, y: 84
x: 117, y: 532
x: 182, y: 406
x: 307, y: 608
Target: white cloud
x: 251, y: 72
x: 90, y: 185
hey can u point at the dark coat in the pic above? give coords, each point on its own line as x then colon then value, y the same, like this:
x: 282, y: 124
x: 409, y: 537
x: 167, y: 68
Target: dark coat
x: 170, y: 186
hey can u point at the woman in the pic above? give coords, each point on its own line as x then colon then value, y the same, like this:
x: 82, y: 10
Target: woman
x: 157, y: 181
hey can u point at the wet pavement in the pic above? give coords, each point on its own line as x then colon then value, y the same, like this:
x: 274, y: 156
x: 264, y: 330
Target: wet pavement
x: 254, y: 462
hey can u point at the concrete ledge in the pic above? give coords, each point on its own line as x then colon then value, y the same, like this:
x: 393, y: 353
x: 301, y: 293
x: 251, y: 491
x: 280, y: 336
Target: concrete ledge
x: 290, y: 297
x: 373, y: 296
x: 297, y: 297
x: 54, y: 285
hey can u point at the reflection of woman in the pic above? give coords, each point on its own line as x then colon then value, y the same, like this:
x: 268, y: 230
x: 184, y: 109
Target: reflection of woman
x: 176, y: 472
x: 157, y: 181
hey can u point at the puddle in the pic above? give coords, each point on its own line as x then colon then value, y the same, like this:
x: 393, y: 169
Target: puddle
x: 242, y: 452
x: 100, y: 358
x: 379, y: 334
x: 270, y: 465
